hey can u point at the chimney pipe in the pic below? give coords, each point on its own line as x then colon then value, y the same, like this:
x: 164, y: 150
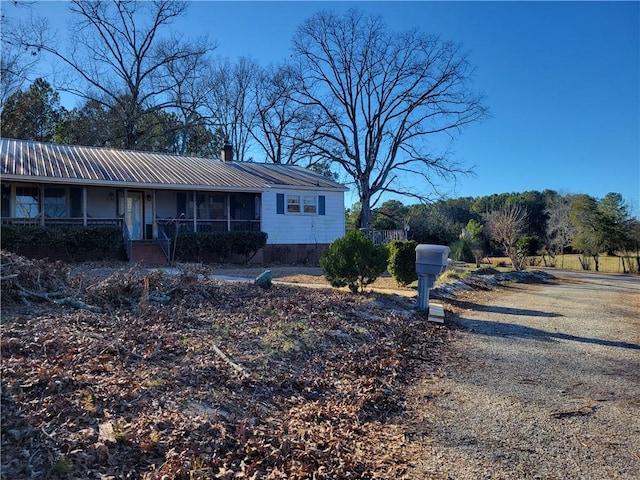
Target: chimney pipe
x: 227, y: 152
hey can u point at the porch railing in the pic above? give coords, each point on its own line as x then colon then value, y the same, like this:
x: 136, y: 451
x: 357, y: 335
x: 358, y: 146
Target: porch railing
x: 384, y: 236
x: 206, y: 226
x: 62, y: 222
x: 164, y: 241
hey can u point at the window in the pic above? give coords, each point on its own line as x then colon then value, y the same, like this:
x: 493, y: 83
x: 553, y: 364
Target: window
x: 27, y: 202
x: 309, y: 204
x: 55, y: 203
x: 293, y: 203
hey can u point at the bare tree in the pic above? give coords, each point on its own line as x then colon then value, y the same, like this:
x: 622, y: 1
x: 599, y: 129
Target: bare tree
x: 120, y: 60
x: 560, y: 230
x: 188, y: 88
x: 283, y: 126
x: 228, y: 102
x: 17, y: 63
x: 506, y: 226
x: 383, y: 96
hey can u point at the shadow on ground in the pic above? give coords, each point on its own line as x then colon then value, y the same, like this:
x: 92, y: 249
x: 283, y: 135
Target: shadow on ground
x: 500, y: 329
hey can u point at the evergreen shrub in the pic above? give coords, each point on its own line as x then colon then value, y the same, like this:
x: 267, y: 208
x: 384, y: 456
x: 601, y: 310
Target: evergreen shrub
x: 402, y: 261
x: 354, y: 261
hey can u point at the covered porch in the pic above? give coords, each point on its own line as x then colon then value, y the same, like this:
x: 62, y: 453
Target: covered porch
x: 143, y: 214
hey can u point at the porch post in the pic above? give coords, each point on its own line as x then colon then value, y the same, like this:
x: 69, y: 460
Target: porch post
x: 228, y: 202
x: 41, y: 203
x: 154, y: 224
x: 84, y: 205
x: 195, y: 212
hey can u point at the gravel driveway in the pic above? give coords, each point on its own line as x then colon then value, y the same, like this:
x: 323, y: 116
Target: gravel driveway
x: 542, y: 382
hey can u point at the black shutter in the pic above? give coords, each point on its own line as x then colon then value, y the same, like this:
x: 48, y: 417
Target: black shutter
x: 280, y: 203
x: 321, y: 205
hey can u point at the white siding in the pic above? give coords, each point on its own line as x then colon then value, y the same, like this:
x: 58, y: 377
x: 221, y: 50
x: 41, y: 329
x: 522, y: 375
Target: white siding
x: 303, y: 228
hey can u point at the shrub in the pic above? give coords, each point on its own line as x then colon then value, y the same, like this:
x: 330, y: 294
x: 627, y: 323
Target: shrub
x: 247, y: 244
x: 402, y: 261
x: 196, y: 247
x: 64, y: 243
x: 353, y: 261
x: 462, y: 250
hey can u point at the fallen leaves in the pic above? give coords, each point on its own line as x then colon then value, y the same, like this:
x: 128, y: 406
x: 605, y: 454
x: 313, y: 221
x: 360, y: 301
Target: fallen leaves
x: 219, y: 380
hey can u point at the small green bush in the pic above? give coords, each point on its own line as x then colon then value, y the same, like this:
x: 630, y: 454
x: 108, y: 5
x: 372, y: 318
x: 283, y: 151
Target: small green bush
x: 353, y: 261
x: 402, y: 261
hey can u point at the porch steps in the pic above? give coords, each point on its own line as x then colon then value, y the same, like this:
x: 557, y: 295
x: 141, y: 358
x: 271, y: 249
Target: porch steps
x: 147, y: 252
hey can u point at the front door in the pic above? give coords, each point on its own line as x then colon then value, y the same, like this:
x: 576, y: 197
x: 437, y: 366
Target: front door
x: 133, y: 214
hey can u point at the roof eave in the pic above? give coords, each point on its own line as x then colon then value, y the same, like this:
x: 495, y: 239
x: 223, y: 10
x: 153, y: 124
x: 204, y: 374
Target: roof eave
x: 113, y: 184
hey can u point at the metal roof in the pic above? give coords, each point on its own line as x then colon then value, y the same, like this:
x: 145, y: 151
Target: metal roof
x: 47, y: 162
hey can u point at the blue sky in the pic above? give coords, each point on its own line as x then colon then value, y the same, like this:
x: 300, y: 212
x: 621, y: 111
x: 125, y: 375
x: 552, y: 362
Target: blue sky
x: 561, y: 80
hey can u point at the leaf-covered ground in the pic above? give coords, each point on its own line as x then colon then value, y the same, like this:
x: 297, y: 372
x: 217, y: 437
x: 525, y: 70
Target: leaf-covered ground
x: 185, y: 377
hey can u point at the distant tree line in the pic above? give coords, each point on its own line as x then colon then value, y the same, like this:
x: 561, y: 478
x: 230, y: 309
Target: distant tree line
x: 519, y: 225
x: 353, y: 100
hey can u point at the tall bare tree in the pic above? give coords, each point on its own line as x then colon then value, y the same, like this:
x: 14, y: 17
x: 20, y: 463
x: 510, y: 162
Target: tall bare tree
x: 506, y: 226
x: 228, y: 103
x: 17, y: 63
x: 283, y: 126
x: 188, y: 87
x: 383, y: 96
x: 120, y: 58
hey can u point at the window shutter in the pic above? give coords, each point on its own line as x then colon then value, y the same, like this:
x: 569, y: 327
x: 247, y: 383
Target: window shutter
x: 321, y: 205
x: 280, y: 203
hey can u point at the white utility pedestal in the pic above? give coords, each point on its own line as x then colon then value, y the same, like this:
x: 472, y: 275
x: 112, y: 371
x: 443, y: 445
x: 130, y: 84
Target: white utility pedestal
x: 431, y: 261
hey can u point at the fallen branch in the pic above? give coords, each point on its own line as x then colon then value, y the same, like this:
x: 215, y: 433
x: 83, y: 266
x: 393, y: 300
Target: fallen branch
x: 238, y: 368
x: 74, y: 302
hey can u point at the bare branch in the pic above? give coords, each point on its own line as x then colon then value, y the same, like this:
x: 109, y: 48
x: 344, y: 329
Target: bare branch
x: 382, y: 96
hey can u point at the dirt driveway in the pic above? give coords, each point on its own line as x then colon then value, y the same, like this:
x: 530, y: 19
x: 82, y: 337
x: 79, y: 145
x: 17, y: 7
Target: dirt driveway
x: 543, y: 382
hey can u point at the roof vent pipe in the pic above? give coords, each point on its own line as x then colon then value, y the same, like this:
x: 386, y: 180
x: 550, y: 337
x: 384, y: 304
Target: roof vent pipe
x: 227, y: 152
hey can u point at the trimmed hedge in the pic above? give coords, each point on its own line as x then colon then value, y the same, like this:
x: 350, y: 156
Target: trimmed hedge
x: 73, y: 243
x: 199, y: 247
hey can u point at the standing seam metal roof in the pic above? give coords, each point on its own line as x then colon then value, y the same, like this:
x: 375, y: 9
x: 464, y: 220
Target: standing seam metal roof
x: 111, y: 166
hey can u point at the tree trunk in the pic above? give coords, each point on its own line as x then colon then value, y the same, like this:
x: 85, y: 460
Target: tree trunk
x: 364, y: 219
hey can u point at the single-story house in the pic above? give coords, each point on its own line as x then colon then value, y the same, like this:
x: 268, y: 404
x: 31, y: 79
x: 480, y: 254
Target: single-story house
x: 47, y: 184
